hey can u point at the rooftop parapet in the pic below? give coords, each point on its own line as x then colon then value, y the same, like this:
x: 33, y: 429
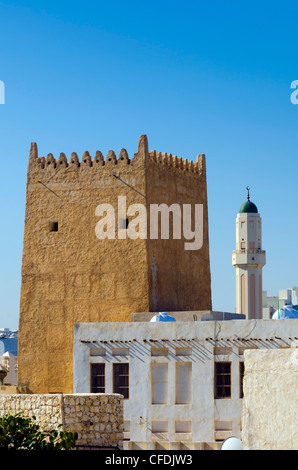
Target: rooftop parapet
x: 162, y: 160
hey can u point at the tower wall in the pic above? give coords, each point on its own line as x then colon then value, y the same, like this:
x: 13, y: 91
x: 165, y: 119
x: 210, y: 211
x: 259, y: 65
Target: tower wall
x: 69, y: 275
x: 179, y: 278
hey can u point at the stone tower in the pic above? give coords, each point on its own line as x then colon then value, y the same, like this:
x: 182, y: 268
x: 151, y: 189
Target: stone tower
x: 249, y: 259
x: 71, y: 275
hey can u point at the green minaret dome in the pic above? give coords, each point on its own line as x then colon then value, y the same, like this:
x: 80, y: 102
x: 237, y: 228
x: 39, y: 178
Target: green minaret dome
x: 248, y: 206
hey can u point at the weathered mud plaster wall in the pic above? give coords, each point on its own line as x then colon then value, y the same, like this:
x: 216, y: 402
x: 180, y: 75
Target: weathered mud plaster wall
x: 270, y: 405
x: 69, y: 275
x: 97, y: 418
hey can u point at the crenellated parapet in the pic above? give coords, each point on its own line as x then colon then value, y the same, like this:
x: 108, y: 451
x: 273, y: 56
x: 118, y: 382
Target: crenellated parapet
x: 86, y: 161
x: 98, y: 161
x: 167, y: 160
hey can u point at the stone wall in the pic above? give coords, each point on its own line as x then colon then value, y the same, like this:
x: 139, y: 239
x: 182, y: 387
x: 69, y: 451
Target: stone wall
x: 97, y: 418
x: 270, y: 404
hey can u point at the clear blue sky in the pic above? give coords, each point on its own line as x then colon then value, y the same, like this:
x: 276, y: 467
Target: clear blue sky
x: 195, y: 76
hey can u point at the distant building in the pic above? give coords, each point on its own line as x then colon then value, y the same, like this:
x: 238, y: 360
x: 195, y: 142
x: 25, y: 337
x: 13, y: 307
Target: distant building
x: 8, y: 341
x: 273, y: 303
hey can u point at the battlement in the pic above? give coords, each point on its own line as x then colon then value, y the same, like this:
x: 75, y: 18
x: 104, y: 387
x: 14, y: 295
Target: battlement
x: 162, y: 160
x: 183, y: 164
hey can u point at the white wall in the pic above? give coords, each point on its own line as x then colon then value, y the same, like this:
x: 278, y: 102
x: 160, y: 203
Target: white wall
x: 270, y: 421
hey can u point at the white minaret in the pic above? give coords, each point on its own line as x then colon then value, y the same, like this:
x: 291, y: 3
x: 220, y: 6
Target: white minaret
x: 249, y: 259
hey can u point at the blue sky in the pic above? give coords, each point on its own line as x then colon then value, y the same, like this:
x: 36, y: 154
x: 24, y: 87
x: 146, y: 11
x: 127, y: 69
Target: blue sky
x: 195, y: 76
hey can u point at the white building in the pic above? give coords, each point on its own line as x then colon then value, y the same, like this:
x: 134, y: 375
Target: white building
x: 182, y: 381
x: 8, y: 364
x: 249, y: 259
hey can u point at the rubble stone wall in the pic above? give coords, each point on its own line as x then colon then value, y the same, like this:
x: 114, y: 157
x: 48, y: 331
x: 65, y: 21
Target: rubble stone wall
x: 97, y: 418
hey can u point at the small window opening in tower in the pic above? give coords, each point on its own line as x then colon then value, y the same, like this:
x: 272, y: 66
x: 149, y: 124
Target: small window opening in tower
x: 53, y: 226
x: 126, y: 223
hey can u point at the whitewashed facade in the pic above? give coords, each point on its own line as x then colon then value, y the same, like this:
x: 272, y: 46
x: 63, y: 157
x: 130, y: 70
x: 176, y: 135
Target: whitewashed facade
x: 183, y: 379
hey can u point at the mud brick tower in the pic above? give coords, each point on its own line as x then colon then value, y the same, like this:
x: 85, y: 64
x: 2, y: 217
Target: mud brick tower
x: 69, y: 275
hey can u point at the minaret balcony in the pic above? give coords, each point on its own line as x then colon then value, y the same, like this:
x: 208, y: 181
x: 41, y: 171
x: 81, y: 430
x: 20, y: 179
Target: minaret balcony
x: 256, y: 257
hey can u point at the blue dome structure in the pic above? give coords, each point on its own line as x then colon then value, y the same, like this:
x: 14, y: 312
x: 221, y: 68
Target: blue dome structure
x: 162, y: 316
x: 288, y: 311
